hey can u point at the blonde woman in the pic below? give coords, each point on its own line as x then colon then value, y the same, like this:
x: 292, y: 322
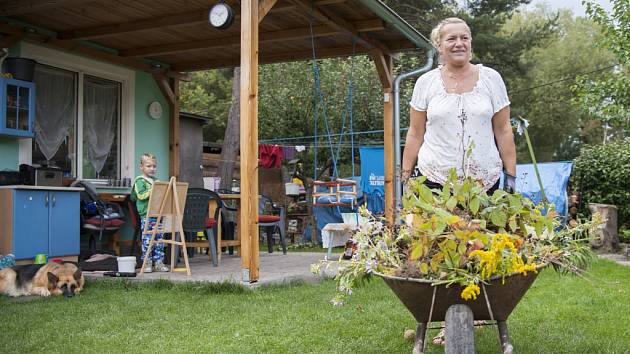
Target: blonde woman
x: 456, y: 107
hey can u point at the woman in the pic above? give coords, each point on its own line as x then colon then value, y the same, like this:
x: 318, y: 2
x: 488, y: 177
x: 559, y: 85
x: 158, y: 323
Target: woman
x: 458, y: 107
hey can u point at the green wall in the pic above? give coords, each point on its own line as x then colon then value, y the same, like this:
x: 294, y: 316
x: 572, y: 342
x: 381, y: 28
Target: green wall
x: 151, y: 135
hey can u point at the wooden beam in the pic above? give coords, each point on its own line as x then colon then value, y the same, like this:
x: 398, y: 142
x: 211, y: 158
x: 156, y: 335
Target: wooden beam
x: 269, y: 58
x: 173, y: 146
x: 81, y: 49
x: 336, y: 22
x: 382, y: 63
x: 265, y: 37
x: 164, y: 85
x: 19, y: 7
x: 250, y: 261
x: 263, y: 8
x: 162, y: 22
x: 386, y: 63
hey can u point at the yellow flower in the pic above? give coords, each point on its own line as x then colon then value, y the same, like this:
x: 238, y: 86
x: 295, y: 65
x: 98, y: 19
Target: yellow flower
x: 471, y: 292
x: 527, y: 268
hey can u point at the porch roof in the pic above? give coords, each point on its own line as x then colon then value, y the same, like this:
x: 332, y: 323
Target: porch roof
x: 153, y: 35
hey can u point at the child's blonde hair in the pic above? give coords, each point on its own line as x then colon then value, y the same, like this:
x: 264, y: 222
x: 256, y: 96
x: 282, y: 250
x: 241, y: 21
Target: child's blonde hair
x: 147, y: 156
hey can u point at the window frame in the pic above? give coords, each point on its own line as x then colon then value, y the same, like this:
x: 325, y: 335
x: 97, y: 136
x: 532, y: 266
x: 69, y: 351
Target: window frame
x: 85, y: 66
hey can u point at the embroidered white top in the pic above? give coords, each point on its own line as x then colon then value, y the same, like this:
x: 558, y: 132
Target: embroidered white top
x: 457, y: 121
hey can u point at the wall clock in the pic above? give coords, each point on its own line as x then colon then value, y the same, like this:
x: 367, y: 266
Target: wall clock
x: 221, y: 15
x: 155, y: 110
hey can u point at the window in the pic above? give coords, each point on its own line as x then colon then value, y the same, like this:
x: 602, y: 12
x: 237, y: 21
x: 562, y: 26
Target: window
x: 61, y: 132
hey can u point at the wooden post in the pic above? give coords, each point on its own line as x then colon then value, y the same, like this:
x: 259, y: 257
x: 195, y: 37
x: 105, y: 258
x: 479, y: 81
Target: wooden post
x: 174, y: 131
x: 607, y: 239
x: 249, y: 141
x: 385, y: 69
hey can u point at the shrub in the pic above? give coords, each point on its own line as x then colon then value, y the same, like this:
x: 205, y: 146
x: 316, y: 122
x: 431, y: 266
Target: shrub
x: 602, y: 175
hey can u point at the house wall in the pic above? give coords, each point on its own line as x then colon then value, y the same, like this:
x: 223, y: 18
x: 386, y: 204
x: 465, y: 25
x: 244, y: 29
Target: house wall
x: 151, y: 135
x: 144, y: 134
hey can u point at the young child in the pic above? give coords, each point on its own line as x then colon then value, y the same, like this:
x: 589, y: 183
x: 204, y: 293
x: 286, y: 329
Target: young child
x: 140, y: 193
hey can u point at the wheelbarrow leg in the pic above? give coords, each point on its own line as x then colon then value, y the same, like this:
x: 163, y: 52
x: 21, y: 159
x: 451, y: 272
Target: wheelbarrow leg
x: 421, y: 333
x: 506, y: 347
x: 459, y: 336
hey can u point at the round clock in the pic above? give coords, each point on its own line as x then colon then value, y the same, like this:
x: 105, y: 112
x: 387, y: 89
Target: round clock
x: 221, y: 15
x: 155, y: 109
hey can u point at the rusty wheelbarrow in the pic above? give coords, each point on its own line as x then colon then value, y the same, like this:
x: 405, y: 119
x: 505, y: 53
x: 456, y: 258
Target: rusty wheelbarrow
x: 428, y: 303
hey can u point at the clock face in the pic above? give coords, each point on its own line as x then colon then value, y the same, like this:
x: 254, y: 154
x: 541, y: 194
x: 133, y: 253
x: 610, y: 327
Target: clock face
x: 220, y: 15
x: 155, y: 110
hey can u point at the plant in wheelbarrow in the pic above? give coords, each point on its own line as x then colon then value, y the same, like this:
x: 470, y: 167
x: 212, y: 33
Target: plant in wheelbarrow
x: 462, y: 254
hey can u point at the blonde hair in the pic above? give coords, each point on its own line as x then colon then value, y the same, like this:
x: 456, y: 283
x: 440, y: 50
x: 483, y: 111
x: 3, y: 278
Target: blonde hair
x: 436, y: 33
x: 147, y: 156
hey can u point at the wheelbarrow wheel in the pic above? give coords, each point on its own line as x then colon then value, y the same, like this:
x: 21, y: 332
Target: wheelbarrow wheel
x: 459, y: 336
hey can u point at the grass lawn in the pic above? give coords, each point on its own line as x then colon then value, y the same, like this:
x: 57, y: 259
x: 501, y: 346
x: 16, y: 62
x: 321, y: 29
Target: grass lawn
x: 557, y: 315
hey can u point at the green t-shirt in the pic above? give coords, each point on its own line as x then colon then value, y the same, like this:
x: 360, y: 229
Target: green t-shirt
x: 140, y: 193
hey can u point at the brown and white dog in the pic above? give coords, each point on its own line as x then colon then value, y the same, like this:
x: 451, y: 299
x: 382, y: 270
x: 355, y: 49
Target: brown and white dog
x: 42, y: 279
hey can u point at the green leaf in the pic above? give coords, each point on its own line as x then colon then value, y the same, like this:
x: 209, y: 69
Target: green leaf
x: 417, y: 250
x: 424, y: 268
x: 474, y: 205
x: 451, y: 203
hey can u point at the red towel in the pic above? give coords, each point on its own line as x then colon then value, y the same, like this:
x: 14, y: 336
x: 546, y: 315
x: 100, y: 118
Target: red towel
x: 270, y: 156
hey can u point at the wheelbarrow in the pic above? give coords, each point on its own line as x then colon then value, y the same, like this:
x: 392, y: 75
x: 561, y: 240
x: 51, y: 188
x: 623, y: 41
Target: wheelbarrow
x: 428, y: 303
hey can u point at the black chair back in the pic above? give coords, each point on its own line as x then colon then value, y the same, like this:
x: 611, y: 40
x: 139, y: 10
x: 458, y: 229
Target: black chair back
x: 196, y: 210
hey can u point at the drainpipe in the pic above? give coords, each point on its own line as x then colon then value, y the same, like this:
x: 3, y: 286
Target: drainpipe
x: 397, y: 158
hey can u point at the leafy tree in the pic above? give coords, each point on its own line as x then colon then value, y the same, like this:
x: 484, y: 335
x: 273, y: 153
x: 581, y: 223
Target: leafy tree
x: 543, y: 93
x: 208, y: 94
x: 607, y: 97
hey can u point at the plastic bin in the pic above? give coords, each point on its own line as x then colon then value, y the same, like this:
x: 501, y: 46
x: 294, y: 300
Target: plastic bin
x: 127, y: 264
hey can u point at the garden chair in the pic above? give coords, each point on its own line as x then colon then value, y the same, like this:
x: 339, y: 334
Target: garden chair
x: 271, y: 217
x: 97, y: 217
x: 198, y: 217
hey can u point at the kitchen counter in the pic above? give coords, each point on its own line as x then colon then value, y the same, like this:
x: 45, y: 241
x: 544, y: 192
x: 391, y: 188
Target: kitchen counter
x: 43, y: 188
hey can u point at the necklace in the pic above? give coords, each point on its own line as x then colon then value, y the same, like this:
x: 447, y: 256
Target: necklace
x: 454, y: 77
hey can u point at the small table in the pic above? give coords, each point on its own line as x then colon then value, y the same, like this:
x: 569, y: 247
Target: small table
x: 335, y: 234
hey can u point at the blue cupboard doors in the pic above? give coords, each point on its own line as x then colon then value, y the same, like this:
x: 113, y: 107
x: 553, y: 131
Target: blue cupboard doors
x: 64, y: 223
x: 30, y: 234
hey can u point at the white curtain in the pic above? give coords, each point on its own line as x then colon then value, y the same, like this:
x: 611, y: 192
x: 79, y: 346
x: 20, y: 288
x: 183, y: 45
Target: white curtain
x: 100, y: 117
x: 54, y: 111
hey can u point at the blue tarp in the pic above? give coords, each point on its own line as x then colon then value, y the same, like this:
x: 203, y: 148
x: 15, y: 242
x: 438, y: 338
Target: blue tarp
x: 555, y: 179
x: 373, y: 177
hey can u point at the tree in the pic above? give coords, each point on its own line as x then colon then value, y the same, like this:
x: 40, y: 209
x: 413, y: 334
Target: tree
x: 543, y: 94
x: 607, y: 97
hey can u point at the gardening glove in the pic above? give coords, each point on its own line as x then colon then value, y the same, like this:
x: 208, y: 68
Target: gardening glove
x: 509, y: 182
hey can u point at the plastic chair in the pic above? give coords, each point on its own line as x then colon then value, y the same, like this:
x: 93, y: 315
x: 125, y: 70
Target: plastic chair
x: 197, y: 218
x: 270, y: 217
x: 97, y: 216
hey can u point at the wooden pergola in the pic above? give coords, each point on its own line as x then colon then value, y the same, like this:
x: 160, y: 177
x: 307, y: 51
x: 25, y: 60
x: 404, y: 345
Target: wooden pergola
x: 169, y: 38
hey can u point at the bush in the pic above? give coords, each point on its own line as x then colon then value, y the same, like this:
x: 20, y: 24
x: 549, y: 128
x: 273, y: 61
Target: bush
x: 601, y: 174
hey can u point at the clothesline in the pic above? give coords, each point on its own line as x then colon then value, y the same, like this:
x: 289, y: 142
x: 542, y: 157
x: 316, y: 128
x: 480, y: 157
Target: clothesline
x: 312, y: 137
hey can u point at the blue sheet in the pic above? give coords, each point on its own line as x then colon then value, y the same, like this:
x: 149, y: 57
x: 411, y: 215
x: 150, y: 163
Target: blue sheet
x: 373, y: 177
x: 555, y: 179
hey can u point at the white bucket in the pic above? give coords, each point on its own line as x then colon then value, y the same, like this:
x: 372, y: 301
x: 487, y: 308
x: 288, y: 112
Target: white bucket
x: 126, y: 264
x: 292, y: 188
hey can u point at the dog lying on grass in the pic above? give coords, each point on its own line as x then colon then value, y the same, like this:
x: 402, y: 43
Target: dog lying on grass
x: 42, y: 279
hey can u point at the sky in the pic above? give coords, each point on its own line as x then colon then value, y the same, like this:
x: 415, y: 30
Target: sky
x: 575, y: 5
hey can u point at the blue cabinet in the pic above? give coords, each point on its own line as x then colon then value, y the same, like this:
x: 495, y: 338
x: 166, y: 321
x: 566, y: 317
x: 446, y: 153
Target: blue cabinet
x: 40, y: 221
x: 17, y: 107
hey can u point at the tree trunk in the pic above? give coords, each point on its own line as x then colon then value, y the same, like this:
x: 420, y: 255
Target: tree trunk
x: 231, y: 140
x: 607, y: 239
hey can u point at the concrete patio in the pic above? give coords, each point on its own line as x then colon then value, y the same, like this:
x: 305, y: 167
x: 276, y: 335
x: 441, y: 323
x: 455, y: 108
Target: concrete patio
x: 275, y: 268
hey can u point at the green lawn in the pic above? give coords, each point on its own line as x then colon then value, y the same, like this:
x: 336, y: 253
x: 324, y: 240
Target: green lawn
x: 558, y: 315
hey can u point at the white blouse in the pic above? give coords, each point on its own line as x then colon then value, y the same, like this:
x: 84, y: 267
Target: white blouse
x: 457, y: 121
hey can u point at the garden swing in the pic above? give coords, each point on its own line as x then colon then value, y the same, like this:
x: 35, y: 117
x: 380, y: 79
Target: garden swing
x: 337, y: 192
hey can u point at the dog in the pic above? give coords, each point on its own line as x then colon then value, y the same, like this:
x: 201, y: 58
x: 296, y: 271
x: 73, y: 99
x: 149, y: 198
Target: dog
x: 42, y: 279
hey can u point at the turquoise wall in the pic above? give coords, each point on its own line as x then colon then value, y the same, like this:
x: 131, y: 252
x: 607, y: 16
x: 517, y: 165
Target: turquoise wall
x: 9, y: 147
x: 151, y: 135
